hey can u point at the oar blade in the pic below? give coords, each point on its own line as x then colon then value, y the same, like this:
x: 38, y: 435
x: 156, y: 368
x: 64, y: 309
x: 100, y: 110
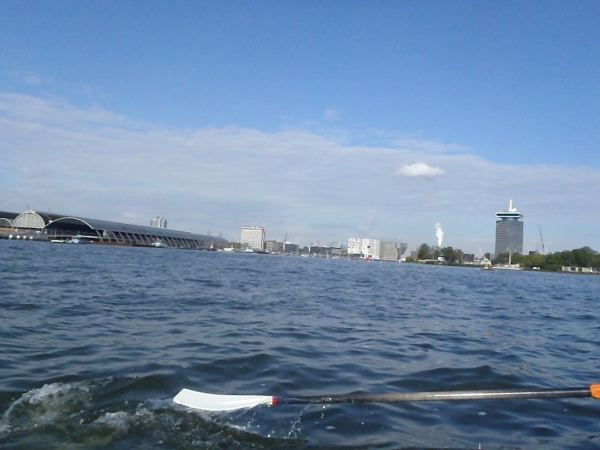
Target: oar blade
x: 217, y: 402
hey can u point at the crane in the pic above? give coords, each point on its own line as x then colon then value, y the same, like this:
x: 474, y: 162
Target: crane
x: 284, y: 241
x: 542, y: 239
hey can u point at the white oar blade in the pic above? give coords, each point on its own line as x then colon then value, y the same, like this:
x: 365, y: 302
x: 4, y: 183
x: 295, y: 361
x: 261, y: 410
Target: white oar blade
x: 216, y: 402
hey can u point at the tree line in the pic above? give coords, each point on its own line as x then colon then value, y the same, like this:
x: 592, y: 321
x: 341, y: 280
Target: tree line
x: 581, y: 257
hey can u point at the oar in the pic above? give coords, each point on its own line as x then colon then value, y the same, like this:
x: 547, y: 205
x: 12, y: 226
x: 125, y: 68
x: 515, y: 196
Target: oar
x: 217, y: 402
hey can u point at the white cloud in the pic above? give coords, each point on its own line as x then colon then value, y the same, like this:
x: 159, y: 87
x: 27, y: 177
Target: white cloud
x: 98, y: 164
x: 36, y: 80
x: 331, y: 114
x: 428, y: 146
x: 419, y: 170
x: 33, y: 79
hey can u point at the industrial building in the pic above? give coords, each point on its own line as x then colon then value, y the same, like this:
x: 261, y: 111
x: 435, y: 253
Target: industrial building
x: 509, y: 231
x: 32, y: 225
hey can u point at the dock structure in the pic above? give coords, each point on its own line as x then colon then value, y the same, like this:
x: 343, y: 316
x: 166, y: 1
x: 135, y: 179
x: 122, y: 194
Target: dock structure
x: 32, y: 225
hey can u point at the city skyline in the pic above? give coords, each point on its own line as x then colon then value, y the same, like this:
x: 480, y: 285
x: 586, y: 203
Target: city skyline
x: 320, y: 121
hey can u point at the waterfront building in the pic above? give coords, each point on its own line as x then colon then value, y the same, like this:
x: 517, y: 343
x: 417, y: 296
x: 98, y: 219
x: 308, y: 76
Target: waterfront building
x: 159, y: 222
x: 319, y: 250
x: 364, y: 248
x: 34, y: 225
x: 354, y: 248
x: 370, y: 248
x: 468, y: 258
x: 273, y: 247
x: 388, y: 251
x: 289, y: 248
x: 253, y: 237
x: 509, y: 231
x: 338, y: 249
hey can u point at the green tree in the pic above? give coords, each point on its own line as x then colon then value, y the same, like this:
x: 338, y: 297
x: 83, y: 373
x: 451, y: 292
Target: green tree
x: 449, y: 255
x: 501, y: 258
x: 584, y: 257
x: 532, y: 261
x: 424, y: 252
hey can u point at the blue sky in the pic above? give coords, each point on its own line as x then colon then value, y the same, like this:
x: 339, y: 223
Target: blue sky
x: 311, y: 118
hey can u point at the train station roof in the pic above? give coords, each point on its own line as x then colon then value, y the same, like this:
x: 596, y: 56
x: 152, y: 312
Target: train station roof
x: 39, y: 220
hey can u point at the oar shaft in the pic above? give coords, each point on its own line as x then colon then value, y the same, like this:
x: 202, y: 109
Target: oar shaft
x: 441, y: 396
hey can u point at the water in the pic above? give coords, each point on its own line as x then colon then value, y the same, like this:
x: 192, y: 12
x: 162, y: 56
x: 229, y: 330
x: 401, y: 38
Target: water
x: 96, y: 341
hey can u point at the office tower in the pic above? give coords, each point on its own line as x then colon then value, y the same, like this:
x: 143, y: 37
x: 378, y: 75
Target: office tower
x: 509, y: 231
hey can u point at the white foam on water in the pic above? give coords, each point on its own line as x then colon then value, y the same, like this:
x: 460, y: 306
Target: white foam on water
x: 45, y: 405
x: 53, y: 389
x: 118, y: 420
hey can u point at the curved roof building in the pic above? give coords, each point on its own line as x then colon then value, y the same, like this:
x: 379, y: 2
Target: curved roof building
x: 62, y: 228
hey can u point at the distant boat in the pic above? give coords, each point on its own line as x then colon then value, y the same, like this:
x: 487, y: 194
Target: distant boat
x: 78, y: 239
x: 508, y: 266
x: 57, y: 241
x: 159, y: 244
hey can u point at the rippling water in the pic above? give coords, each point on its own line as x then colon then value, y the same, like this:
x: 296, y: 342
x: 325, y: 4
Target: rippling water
x: 96, y: 341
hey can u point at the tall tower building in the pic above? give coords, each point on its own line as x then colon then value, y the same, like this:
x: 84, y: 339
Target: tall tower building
x: 253, y: 237
x: 509, y: 231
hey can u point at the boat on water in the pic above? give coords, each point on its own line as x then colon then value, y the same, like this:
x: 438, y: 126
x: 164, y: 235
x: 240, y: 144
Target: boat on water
x: 508, y: 266
x: 485, y: 263
x: 77, y: 239
x: 159, y: 244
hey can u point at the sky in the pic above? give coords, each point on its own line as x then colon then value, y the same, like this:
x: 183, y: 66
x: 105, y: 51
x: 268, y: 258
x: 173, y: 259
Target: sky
x: 319, y: 120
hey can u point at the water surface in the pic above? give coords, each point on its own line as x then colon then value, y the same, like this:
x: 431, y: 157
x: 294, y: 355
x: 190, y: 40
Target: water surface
x: 96, y: 341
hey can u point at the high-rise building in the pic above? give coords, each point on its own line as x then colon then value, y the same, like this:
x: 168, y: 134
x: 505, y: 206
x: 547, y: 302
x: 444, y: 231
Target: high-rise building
x: 159, y: 222
x: 253, y: 237
x: 509, y: 231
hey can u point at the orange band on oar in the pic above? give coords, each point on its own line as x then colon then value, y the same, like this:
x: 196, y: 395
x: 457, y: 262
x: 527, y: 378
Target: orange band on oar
x: 595, y: 388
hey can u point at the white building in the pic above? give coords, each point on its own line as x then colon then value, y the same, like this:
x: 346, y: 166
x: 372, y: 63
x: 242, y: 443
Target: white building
x: 370, y: 248
x: 159, y: 222
x: 354, y: 247
x: 253, y: 237
x: 365, y: 248
x: 374, y: 249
